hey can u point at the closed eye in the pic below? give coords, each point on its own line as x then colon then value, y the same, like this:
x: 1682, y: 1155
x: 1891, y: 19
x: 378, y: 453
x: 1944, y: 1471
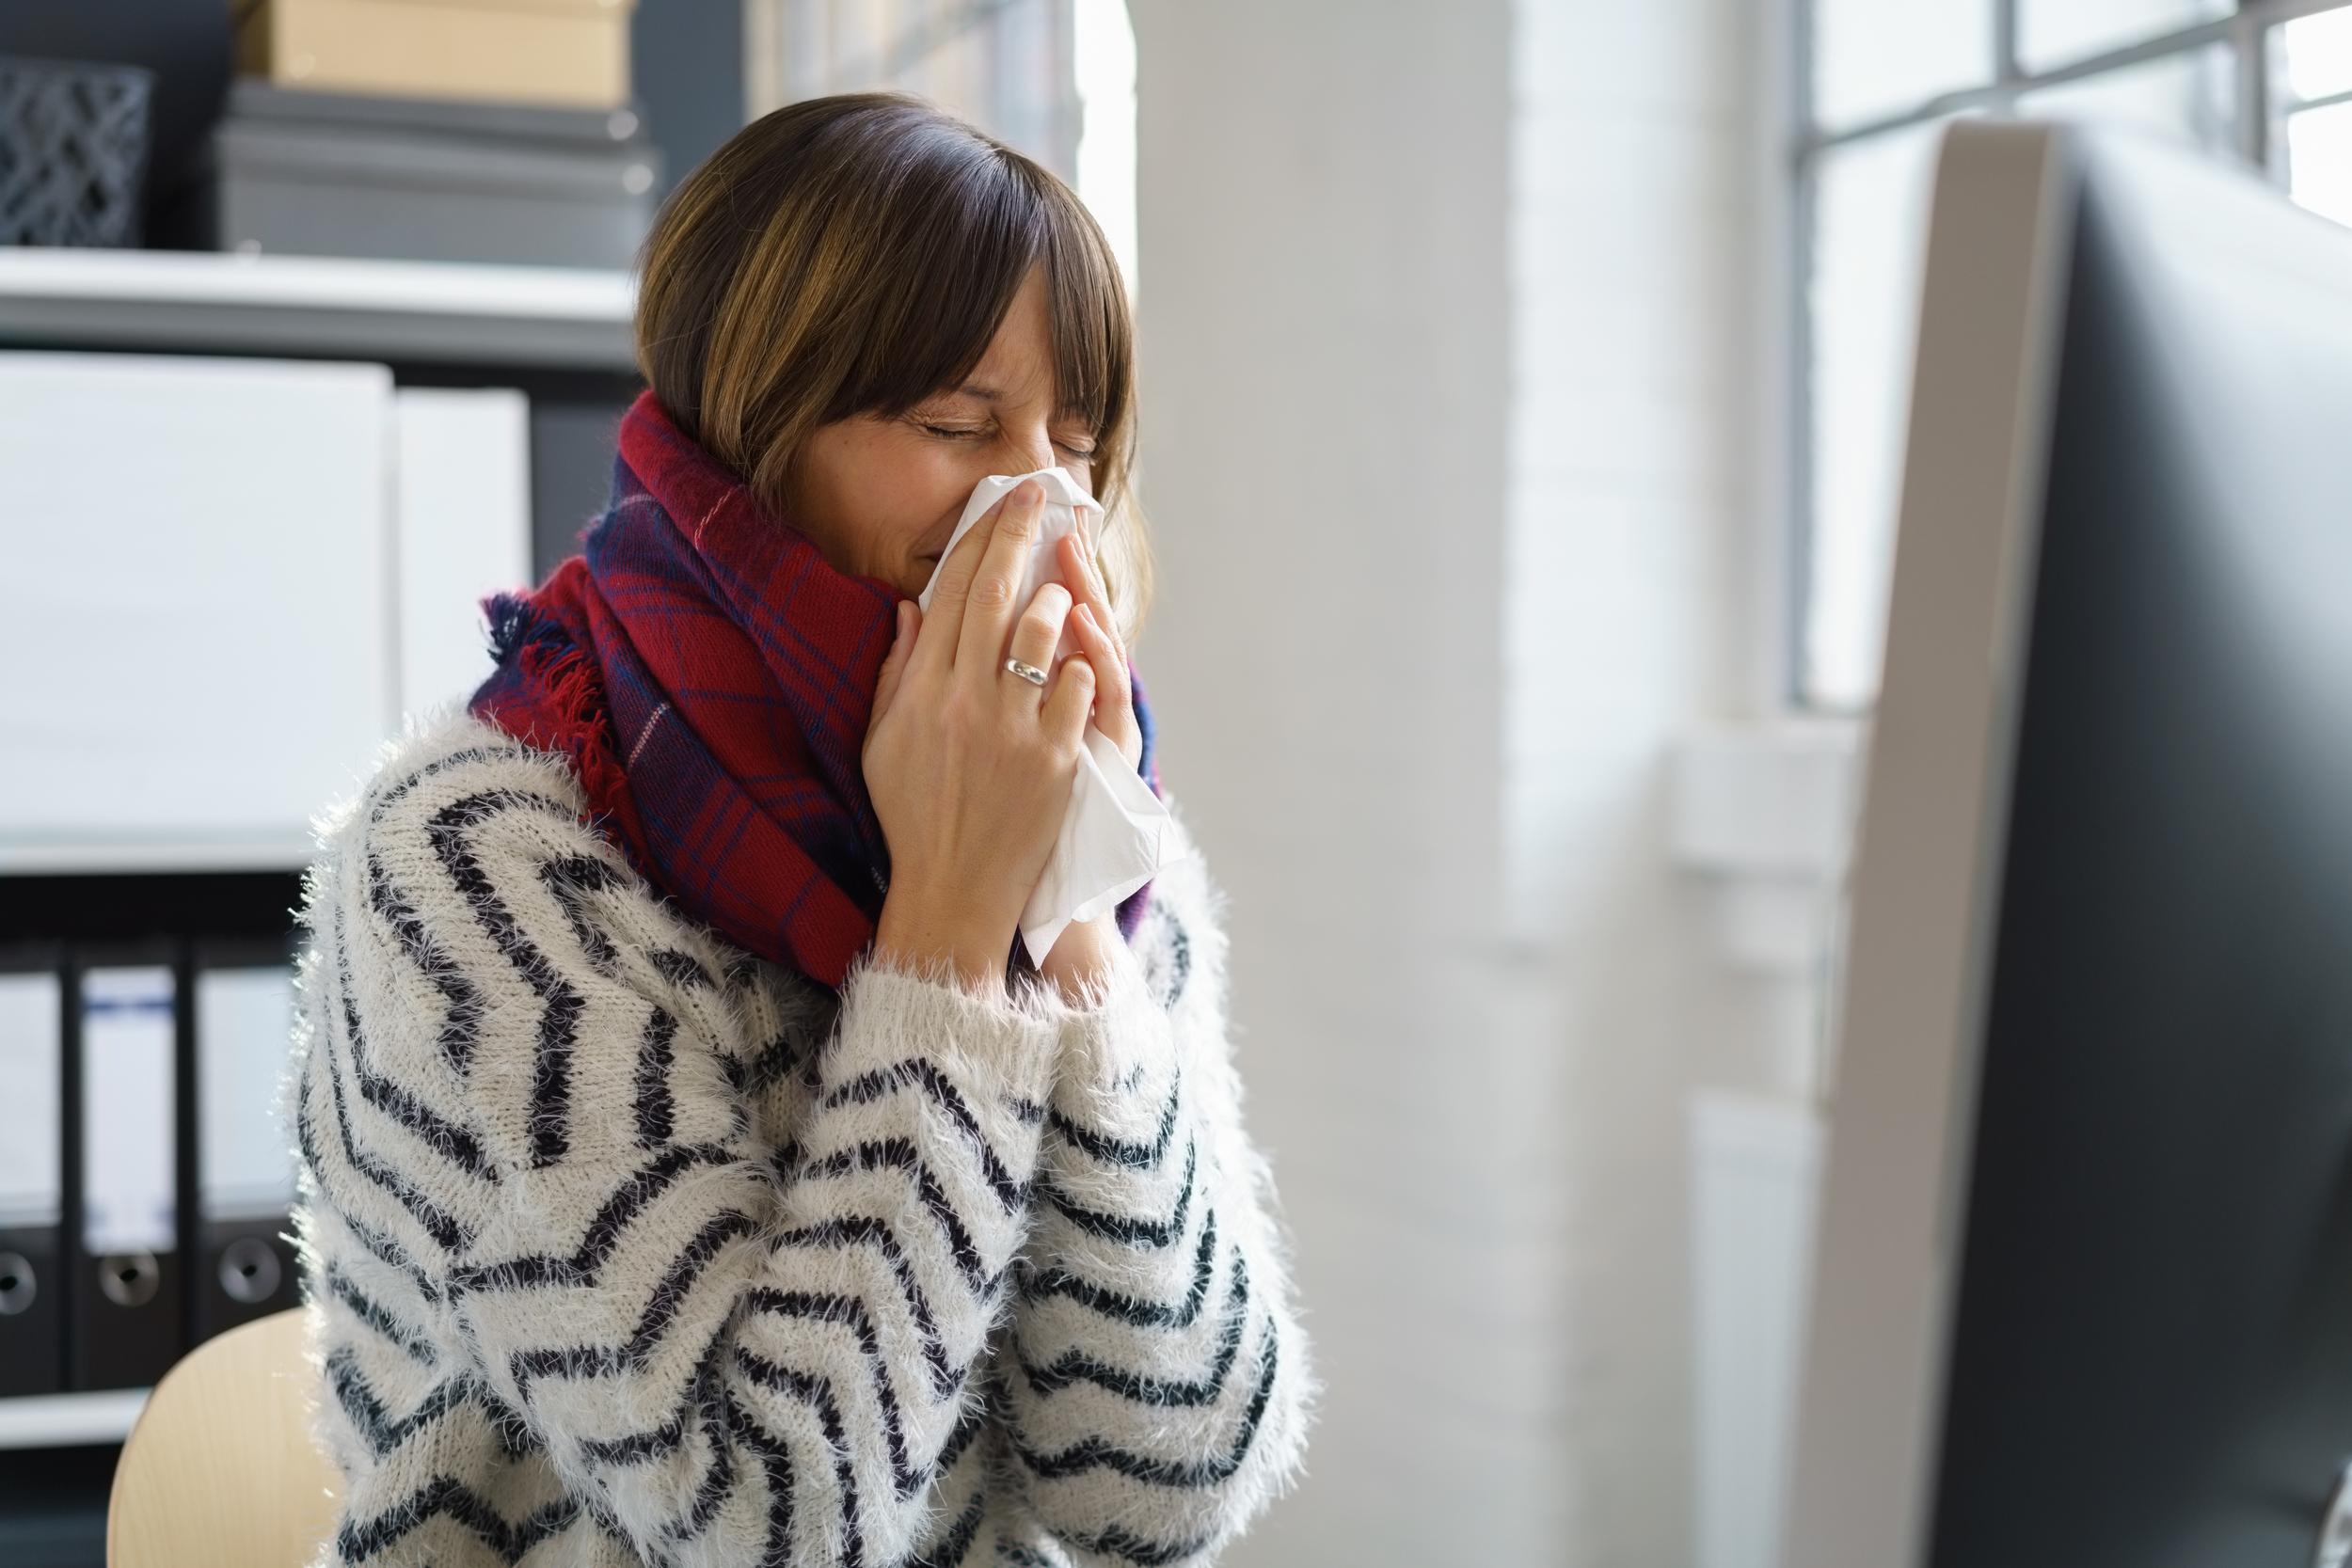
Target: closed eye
x: 949, y: 432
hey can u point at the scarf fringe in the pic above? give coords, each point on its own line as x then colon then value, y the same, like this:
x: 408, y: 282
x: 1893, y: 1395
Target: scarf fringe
x: 556, y: 665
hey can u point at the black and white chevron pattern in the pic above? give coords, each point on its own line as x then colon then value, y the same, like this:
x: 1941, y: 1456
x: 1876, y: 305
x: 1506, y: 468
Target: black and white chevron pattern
x: 624, y: 1247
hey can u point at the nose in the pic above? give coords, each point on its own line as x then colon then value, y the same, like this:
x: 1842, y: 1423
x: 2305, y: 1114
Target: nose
x: 1024, y: 449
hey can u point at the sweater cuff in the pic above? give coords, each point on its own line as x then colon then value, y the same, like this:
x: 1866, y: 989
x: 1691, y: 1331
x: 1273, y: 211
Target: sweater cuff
x: 897, y: 1008
x: 1118, y: 1041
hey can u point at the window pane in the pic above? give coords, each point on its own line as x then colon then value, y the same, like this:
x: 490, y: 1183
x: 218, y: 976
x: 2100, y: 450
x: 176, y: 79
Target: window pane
x: 2053, y: 32
x: 2319, y: 160
x: 1035, y: 85
x: 1004, y: 65
x: 2319, y: 54
x: 1870, y: 220
x: 958, y: 72
x: 2188, y: 96
x: 1871, y: 58
x: 1104, y: 53
x: 864, y: 35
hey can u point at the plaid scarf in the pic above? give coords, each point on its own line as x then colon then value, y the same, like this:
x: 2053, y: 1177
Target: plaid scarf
x: 711, y: 680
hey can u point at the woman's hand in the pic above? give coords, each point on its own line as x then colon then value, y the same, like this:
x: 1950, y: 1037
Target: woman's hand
x: 1098, y: 640
x: 970, y: 768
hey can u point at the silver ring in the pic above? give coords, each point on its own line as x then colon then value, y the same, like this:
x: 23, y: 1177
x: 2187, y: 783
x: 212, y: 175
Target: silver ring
x: 1029, y: 673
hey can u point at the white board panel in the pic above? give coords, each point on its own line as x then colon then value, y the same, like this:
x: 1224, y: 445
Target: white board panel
x: 195, y: 596
x: 464, y: 530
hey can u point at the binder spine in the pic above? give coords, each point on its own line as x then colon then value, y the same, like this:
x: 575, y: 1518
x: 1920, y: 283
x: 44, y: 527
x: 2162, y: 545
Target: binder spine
x: 32, y: 1228
x: 242, y: 1260
x: 126, y: 1308
x: 73, y: 1265
x: 189, y: 1330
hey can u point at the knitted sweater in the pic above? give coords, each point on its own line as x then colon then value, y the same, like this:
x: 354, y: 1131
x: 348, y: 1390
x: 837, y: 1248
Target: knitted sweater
x: 623, y: 1245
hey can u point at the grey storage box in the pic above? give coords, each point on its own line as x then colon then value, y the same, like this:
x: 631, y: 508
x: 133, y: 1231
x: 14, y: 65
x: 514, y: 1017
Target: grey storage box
x: 308, y: 173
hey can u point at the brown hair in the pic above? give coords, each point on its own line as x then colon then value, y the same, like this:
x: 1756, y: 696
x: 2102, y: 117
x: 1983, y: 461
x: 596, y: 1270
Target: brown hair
x: 854, y: 254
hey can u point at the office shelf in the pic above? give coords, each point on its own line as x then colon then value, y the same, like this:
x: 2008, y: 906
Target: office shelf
x: 70, y: 1420
x: 554, y: 317
x: 19, y: 858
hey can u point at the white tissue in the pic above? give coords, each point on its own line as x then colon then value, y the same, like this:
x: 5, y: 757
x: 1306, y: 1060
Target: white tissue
x: 1117, y: 834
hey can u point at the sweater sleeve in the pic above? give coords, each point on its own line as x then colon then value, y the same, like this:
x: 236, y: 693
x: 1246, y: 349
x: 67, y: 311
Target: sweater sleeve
x: 733, y: 1355
x: 1157, y: 1384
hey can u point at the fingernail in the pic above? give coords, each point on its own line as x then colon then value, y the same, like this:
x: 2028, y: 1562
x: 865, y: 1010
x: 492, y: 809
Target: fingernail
x: 1029, y: 494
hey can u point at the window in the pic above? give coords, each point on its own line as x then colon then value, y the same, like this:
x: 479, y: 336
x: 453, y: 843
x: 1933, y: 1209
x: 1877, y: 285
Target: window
x: 1053, y: 78
x: 2268, y: 82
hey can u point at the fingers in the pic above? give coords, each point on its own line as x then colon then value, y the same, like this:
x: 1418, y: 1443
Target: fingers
x: 988, y: 607
x: 1080, y: 567
x: 1068, y: 702
x: 1114, y: 697
x: 1034, y: 636
x: 945, y: 616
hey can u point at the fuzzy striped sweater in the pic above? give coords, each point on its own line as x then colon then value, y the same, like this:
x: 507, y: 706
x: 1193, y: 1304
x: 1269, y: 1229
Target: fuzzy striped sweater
x: 622, y: 1246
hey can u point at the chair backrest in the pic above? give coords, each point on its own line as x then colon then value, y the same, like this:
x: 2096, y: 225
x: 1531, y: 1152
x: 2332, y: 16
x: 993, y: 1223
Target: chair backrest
x: 220, y: 1471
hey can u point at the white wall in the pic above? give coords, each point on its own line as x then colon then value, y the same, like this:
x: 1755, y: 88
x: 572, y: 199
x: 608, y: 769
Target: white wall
x: 1322, y: 347
x: 1642, y: 277
x: 1447, y: 325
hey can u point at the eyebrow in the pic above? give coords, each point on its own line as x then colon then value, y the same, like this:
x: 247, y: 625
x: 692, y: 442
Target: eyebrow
x: 986, y: 393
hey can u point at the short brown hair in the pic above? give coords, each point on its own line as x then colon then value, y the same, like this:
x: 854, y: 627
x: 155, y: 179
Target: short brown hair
x: 854, y: 254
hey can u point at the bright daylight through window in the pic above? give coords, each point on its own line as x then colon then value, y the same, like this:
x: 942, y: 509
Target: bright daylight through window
x: 1053, y: 78
x: 2266, y: 82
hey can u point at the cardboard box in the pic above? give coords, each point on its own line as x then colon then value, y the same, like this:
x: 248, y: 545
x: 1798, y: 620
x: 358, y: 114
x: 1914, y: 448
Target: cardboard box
x: 572, y: 52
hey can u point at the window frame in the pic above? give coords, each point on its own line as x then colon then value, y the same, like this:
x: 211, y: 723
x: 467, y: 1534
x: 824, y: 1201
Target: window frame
x: 2250, y: 31
x: 789, y: 57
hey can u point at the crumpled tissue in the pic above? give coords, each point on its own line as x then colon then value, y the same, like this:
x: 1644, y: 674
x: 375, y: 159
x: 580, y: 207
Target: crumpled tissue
x: 1117, y: 835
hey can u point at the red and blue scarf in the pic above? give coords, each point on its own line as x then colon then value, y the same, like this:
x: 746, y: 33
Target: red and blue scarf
x: 712, y: 678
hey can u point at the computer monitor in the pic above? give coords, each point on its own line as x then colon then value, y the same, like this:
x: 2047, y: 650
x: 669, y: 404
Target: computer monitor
x: 2083, y: 1284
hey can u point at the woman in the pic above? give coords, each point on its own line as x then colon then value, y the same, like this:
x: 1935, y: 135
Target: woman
x: 695, y: 1170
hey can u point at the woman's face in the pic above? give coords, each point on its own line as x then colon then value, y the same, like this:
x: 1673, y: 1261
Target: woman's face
x: 880, y: 496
